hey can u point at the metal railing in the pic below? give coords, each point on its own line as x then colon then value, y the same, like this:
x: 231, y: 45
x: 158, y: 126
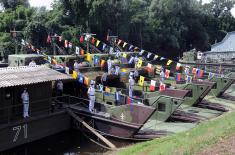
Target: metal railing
x: 13, y: 113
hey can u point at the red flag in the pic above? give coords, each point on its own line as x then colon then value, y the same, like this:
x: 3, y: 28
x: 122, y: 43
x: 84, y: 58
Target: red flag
x: 167, y: 73
x: 81, y: 39
x: 128, y: 100
x: 93, y: 40
x: 60, y: 38
x: 162, y: 87
x: 201, y: 73
x: 48, y: 39
x: 194, y: 71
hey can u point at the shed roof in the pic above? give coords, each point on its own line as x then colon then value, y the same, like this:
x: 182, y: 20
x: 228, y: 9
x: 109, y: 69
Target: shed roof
x: 224, y: 39
x: 25, y: 75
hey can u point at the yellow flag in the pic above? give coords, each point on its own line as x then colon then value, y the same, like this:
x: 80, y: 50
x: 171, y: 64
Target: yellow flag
x: 124, y: 55
x: 141, y: 81
x: 107, y: 89
x: 124, y: 44
x: 74, y: 75
x: 88, y: 57
x: 155, y: 57
x: 102, y: 63
x: 169, y: 62
x: 139, y: 63
x: 97, y: 43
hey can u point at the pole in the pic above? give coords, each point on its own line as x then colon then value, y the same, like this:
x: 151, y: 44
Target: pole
x: 92, y: 130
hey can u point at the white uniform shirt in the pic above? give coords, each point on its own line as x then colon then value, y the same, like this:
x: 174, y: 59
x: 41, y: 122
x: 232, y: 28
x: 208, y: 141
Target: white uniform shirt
x: 59, y: 86
x: 25, y: 96
x: 75, y: 66
x: 91, y: 91
x: 32, y: 63
x: 131, y: 82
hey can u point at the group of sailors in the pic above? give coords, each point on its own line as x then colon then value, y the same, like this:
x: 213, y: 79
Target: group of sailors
x: 133, y: 77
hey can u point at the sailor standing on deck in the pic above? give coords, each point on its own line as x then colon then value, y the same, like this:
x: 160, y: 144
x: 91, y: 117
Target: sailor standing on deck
x: 76, y: 66
x: 131, y: 84
x: 91, y: 95
x: 25, y: 101
x: 109, y: 62
x: 162, y: 75
x: 60, y: 87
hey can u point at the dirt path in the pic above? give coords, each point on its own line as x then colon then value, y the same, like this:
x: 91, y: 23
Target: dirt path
x: 225, y: 146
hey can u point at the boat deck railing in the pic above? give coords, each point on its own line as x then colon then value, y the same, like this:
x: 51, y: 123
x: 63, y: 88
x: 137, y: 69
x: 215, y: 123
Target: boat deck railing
x: 14, y: 113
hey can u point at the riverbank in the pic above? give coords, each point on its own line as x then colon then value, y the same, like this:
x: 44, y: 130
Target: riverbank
x: 206, y: 134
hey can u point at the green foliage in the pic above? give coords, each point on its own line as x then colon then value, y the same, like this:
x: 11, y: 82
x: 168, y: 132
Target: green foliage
x: 169, y: 27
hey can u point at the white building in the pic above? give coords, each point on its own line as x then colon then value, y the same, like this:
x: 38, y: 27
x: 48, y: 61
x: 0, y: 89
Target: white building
x: 223, y: 51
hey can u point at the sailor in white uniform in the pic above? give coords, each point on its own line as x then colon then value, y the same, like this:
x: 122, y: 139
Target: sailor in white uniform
x: 109, y: 62
x: 25, y: 101
x: 131, y: 84
x: 91, y: 95
x: 162, y: 75
x: 76, y: 66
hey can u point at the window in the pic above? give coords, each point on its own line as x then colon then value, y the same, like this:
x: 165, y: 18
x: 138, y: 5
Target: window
x: 162, y: 107
x: 214, y: 86
x: 190, y: 93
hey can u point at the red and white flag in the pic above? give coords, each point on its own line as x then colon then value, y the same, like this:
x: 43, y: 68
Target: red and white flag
x: 167, y: 73
x: 162, y: 87
x: 66, y: 43
x: 70, y: 45
x: 60, y: 38
x: 149, y: 67
x: 119, y: 42
x: 178, y: 65
x: 152, y: 85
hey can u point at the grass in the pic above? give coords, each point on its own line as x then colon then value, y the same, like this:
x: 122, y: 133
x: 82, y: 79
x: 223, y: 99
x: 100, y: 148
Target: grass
x: 186, y: 143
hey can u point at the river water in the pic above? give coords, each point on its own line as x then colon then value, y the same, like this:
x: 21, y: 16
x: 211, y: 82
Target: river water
x: 70, y: 142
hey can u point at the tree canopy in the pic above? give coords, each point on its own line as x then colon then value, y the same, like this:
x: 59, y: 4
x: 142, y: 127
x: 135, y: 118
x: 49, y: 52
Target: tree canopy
x: 168, y: 27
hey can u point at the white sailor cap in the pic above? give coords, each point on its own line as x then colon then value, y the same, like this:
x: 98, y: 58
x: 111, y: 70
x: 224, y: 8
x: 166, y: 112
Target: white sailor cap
x: 92, y: 82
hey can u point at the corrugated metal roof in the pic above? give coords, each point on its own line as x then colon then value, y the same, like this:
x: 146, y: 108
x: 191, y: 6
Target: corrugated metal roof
x: 15, y: 76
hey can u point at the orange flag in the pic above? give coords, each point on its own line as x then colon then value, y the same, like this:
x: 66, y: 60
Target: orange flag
x: 86, y: 81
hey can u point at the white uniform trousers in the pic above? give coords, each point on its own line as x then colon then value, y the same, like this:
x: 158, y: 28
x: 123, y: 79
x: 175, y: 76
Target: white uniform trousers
x: 26, y: 109
x: 91, y: 103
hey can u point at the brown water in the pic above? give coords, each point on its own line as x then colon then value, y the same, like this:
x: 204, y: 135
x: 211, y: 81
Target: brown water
x: 66, y: 143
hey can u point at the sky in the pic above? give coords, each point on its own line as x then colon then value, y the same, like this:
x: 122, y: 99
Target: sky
x: 47, y: 4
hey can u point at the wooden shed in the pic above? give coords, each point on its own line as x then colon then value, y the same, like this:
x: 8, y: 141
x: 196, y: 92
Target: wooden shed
x: 38, y: 80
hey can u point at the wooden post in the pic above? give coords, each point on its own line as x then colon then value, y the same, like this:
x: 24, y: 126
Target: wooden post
x: 106, y: 141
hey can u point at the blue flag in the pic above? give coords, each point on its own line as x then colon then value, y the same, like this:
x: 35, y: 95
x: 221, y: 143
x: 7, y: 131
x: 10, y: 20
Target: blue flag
x: 101, y: 87
x: 131, y: 46
x: 80, y: 79
x: 131, y: 60
x: 96, y: 60
x: 117, y: 53
x: 117, y: 68
x: 104, y: 45
x: 110, y: 50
